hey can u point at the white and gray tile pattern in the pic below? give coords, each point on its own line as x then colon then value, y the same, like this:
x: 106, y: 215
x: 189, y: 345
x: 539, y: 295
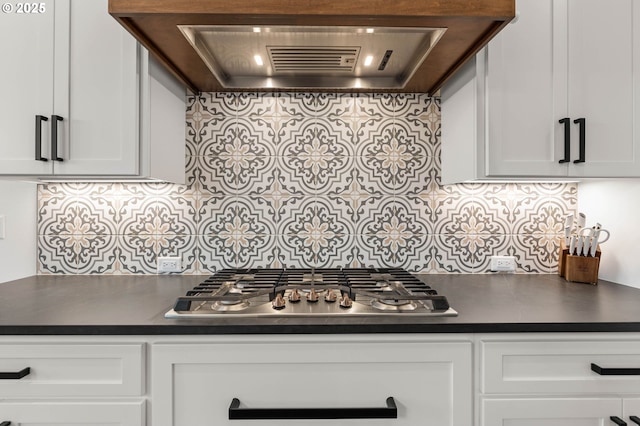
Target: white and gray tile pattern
x: 302, y: 180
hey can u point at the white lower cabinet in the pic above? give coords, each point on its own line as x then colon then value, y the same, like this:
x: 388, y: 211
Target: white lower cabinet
x: 88, y: 381
x: 194, y: 383
x: 515, y: 379
x: 559, y: 379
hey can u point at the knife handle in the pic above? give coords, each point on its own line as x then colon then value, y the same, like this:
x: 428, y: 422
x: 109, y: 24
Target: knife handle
x: 572, y: 245
x: 579, y: 245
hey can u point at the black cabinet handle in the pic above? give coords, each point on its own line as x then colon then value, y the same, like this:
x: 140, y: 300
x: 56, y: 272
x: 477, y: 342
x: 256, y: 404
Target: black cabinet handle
x: 5, y: 424
x: 567, y: 140
x: 39, y: 157
x: 635, y: 419
x: 617, y: 420
x: 583, y: 139
x: 237, y: 413
x: 15, y: 376
x: 54, y: 137
x: 615, y: 371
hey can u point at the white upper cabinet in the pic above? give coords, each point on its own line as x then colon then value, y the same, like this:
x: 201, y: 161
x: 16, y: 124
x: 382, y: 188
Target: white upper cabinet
x: 563, y: 70
x: 99, y: 130
x: 26, y: 84
x: 74, y: 86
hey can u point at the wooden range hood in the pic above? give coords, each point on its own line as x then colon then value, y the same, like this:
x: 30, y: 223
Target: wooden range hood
x: 173, y: 31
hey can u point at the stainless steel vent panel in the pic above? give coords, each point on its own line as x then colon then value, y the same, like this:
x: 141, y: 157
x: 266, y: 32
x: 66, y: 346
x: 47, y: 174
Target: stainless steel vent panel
x: 284, y: 57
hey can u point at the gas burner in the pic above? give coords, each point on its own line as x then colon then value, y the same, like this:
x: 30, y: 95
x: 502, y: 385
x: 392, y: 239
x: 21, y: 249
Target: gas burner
x: 230, y: 305
x: 384, y: 285
x: 394, y: 305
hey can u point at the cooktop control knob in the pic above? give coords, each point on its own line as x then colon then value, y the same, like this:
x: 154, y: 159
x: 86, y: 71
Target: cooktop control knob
x: 312, y: 296
x: 330, y: 297
x: 345, y: 301
x: 294, y: 297
x: 278, y: 302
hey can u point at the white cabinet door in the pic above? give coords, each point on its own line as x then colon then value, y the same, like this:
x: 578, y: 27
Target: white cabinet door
x: 550, y: 411
x: 559, y: 59
x: 99, y: 131
x: 73, y: 61
x: 40, y: 413
x: 603, y: 52
x: 526, y: 93
x: 194, y: 384
x: 26, y: 85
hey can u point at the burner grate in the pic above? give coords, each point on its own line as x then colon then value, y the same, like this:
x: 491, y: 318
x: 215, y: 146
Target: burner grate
x: 268, y: 292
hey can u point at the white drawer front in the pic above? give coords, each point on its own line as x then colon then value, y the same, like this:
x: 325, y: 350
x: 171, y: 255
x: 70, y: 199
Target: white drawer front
x: 195, y: 385
x: 550, y: 411
x: 72, y: 369
x: 558, y: 367
x: 73, y: 413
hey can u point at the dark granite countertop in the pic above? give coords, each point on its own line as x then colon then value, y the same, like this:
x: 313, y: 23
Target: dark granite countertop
x: 135, y: 305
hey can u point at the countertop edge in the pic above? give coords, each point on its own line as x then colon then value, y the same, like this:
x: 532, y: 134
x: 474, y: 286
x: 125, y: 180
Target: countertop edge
x: 275, y: 329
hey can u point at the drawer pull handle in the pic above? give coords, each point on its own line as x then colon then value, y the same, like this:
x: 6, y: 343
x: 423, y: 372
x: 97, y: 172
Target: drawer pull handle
x: 617, y: 420
x: 237, y: 413
x: 5, y: 424
x: 615, y: 371
x: 15, y: 376
x: 635, y: 419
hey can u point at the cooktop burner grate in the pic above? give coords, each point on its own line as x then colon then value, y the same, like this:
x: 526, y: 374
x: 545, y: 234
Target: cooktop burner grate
x: 311, y: 292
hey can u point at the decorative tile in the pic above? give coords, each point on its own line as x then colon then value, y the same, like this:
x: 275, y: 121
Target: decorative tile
x: 275, y: 195
x: 393, y: 235
x: 214, y: 254
x: 56, y: 255
x: 301, y: 180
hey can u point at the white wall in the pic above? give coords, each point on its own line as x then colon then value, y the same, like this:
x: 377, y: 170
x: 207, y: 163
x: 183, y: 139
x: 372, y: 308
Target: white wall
x: 616, y: 205
x: 18, y: 204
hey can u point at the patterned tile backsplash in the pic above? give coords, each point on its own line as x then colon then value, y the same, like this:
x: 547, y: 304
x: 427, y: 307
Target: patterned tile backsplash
x: 302, y: 180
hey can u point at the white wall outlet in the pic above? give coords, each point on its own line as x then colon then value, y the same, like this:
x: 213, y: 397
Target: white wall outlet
x: 169, y: 264
x: 503, y: 264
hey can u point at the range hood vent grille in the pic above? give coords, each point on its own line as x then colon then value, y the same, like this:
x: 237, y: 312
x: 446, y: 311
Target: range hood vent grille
x: 313, y: 59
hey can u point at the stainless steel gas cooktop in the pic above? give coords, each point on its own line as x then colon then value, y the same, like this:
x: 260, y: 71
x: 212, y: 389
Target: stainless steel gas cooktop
x: 310, y: 292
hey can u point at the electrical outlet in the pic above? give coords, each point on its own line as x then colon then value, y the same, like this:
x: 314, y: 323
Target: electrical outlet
x: 169, y: 264
x: 503, y: 264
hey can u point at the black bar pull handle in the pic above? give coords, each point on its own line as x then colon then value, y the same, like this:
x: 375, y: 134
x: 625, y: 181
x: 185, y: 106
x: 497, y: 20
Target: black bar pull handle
x: 617, y: 420
x: 615, y: 371
x: 583, y: 139
x: 15, y: 375
x: 567, y: 140
x: 237, y: 413
x: 635, y: 419
x: 39, y: 157
x: 54, y: 137
x: 5, y: 424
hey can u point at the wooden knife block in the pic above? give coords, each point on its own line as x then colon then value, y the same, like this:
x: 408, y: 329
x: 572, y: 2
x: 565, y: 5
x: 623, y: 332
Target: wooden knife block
x: 580, y: 269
